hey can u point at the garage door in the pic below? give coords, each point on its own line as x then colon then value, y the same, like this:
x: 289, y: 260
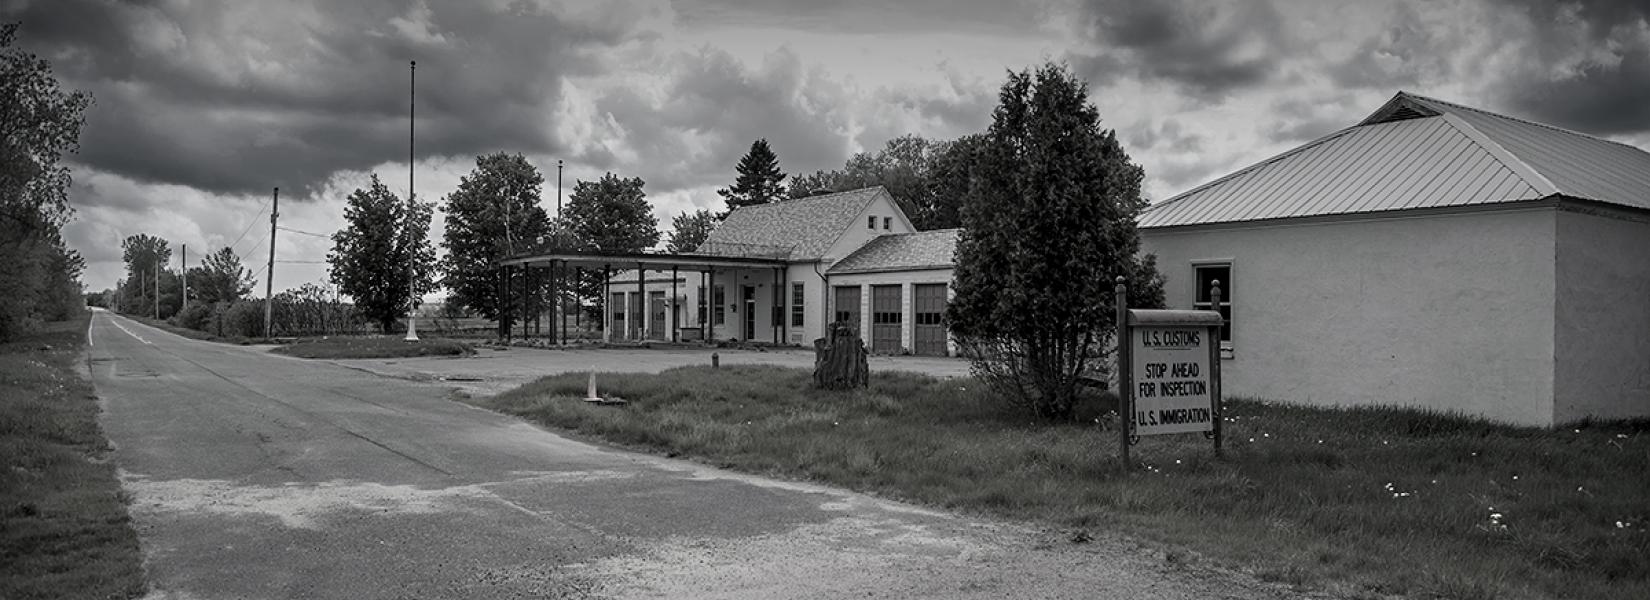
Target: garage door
x: 885, y: 319
x: 847, y: 306
x: 929, y: 305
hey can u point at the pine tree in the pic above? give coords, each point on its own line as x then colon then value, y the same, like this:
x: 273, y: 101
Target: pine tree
x: 760, y: 181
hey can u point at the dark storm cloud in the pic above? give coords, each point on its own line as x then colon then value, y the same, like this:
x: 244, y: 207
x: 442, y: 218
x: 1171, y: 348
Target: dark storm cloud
x: 1206, y: 49
x: 1010, y: 17
x: 1600, y: 97
x: 243, y: 97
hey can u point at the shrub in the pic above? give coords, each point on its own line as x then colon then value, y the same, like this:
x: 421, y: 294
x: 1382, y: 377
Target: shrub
x: 243, y: 319
x: 197, y: 317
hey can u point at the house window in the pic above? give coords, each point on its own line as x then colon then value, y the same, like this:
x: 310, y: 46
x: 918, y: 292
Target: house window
x: 887, y: 222
x: 1207, y: 274
x: 871, y: 222
x: 721, y: 305
x: 798, y: 297
x: 700, y: 314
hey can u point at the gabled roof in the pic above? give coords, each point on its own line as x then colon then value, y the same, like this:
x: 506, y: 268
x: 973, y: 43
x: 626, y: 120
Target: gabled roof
x: 901, y: 252
x: 806, y: 226
x: 1418, y: 152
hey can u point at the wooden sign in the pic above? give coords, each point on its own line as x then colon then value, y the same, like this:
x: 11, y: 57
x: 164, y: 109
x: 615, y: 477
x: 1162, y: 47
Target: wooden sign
x: 1168, y: 371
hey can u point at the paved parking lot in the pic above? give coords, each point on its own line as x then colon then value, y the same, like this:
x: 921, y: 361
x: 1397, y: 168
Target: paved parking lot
x: 492, y: 371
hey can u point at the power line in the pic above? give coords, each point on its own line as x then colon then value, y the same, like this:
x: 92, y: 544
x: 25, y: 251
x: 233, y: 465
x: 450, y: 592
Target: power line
x: 303, y: 262
x: 250, y: 223
x: 302, y: 232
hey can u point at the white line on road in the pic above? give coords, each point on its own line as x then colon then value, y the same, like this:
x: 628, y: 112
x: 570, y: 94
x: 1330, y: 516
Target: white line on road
x: 129, y: 332
x: 89, y: 322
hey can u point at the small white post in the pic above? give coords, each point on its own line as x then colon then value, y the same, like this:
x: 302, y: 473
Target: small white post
x: 590, y: 389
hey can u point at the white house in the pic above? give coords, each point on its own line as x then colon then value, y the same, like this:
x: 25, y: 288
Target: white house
x: 779, y: 273
x: 1431, y: 255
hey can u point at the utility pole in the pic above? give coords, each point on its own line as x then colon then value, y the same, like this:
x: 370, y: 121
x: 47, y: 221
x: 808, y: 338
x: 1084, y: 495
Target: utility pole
x: 412, y: 280
x: 183, y: 266
x: 558, y: 189
x: 157, y: 288
x: 269, y: 274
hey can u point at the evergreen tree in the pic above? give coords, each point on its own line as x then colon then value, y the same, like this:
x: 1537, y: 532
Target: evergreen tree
x: 384, y: 243
x: 760, y: 181
x: 220, y: 278
x: 1048, y: 224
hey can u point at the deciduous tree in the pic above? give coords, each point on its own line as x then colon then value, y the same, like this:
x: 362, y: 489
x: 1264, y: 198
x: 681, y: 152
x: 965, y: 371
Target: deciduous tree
x: 39, y: 123
x: 493, y: 214
x: 759, y: 182
x: 1048, y: 223
x: 926, y: 178
x: 689, y: 230
x: 384, y: 245
x: 609, y: 215
x: 612, y: 215
x: 143, y: 254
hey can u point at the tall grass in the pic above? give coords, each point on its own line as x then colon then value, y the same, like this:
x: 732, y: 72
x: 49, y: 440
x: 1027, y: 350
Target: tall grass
x: 373, y: 347
x: 64, y: 530
x: 1364, y: 501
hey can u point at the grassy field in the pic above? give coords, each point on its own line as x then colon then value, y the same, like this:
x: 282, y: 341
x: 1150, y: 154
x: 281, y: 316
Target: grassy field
x: 64, y: 530
x: 1365, y: 503
x: 373, y: 347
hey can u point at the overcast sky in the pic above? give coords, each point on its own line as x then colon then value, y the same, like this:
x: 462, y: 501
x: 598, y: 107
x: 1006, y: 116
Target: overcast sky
x: 203, y: 107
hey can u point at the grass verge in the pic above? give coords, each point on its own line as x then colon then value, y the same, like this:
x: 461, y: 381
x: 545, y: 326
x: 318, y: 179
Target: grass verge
x: 1364, y: 502
x: 64, y: 529
x: 373, y: 347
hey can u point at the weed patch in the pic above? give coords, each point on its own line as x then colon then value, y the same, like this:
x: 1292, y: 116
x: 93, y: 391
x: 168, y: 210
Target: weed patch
x: 373, y: 347
x: 1366, y: 501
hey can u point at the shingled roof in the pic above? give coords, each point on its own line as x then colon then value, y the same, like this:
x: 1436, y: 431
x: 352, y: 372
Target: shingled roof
x: 807, y: 226
x: 1418, y: 152
x: 902, y: 252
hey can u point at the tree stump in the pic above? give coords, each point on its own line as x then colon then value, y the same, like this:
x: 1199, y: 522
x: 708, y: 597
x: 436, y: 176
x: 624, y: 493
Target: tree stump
x: 840, y: 359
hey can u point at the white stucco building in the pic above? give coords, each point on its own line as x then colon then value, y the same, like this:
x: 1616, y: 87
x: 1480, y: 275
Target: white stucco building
x: 779, y: 273
x: 1431, y: 255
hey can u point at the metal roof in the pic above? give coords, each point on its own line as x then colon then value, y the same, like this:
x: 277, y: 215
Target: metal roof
x: 901, y: 252
x: 806, y: 226
x: 1417, y: 152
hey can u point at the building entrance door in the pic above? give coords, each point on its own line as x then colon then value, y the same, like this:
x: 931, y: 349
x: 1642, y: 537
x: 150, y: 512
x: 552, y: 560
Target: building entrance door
x: 747, y: 293
x: 656, y: 325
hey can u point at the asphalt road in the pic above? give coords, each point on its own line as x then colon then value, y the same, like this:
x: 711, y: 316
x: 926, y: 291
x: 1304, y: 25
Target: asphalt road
x: 260, y: 476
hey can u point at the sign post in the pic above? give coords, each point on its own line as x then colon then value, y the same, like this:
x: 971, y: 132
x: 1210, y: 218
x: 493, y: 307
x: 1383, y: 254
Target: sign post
x: 1168, y: 372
